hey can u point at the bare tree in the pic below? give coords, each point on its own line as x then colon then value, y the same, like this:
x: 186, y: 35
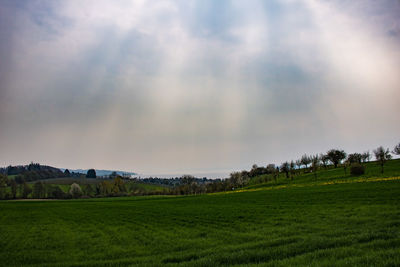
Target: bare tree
x: 324, y: 159
x: 314, y: 164
x: 366, y: 156
x: 292, y: 169
x: 396, y: 150
x: 354, y: 158
x: 272, y: 169
x: 382, y: 156
x: 298, y: 163
x: 236, y: 179
x: 285, y: 167
x: 305, y: 160
x: 346, y: 164
x: 336, y: 156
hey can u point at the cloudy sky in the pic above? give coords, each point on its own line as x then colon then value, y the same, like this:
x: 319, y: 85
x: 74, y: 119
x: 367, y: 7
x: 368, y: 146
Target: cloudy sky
x: 195, y: 86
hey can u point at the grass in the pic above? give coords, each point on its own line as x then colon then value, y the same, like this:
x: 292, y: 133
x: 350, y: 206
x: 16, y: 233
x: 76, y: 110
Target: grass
x: 372, y: 170
x: 347, y: 224
x: 334, y: 219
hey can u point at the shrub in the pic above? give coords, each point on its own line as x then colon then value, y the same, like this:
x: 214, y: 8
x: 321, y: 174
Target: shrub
x: 56, y: 192
x: 357, y: 169
x: 75, y: 191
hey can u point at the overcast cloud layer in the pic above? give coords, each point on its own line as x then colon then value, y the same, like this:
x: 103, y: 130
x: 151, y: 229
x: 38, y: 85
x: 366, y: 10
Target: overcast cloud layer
x: 195, y: 86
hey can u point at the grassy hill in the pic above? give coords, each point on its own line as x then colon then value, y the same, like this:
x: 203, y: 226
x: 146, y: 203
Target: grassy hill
x: 372, y: 170
x: 332, y: 220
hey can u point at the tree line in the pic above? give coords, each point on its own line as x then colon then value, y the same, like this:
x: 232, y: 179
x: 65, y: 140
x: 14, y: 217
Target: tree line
x: 311, y: 163
x: 187, y: 184
x: 10, y: 189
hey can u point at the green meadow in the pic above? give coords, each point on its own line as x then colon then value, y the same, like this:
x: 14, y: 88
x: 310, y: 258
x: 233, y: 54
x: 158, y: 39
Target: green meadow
x: 331, y: 220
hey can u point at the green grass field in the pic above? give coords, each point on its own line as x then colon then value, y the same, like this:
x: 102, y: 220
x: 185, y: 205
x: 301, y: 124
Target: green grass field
x: 372, y: 169
x: 302, y: 223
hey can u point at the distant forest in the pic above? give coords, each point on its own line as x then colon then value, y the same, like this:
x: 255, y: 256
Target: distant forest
x: 34, y: 172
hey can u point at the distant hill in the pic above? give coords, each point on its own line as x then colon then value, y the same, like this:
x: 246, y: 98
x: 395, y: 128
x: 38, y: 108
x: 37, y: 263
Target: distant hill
x: 37, y: 171
x: 32, y: 167
x: 101, y: 172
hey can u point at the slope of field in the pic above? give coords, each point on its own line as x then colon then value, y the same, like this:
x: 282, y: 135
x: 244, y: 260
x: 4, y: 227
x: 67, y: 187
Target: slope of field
x: 345, y: 224
x: 372, y: 170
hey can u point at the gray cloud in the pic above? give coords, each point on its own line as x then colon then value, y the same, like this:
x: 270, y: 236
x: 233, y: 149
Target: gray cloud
x: 194, y: 86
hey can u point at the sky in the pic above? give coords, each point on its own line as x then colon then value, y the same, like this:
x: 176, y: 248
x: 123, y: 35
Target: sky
x: 173, y: 87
